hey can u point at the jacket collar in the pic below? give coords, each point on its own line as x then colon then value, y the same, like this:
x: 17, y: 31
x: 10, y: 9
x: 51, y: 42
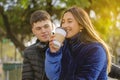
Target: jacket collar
x: 75, y: 39
x: 73, y: 44
x: 41, y: 45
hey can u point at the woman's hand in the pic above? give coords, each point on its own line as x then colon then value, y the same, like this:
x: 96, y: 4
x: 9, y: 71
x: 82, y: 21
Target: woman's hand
x: 52, y: 47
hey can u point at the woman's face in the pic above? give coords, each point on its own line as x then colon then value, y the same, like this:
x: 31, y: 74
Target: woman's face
x: 70, y: 25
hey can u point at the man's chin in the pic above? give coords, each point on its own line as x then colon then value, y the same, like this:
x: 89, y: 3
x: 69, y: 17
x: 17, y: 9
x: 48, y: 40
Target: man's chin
x: 44, y: 40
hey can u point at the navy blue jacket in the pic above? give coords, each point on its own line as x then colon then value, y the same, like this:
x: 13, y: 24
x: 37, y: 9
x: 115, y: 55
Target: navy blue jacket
x: 77, y: 61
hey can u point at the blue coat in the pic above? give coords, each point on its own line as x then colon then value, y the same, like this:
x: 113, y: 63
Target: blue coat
x: 77, y: 61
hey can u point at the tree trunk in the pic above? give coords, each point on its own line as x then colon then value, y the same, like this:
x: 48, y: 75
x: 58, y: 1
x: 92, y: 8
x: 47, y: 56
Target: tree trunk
x: 10, y: 34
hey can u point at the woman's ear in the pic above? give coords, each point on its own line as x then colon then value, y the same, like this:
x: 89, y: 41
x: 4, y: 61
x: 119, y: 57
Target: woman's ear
x: 81, y: 28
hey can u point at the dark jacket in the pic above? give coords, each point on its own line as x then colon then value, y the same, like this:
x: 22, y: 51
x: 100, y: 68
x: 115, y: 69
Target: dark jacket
x: 33, y: 63
x: 115, y: 72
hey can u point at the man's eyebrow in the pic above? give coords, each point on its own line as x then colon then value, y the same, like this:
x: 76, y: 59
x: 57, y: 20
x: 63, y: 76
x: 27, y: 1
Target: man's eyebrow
x: 42, y: 26
x: 45, y: 25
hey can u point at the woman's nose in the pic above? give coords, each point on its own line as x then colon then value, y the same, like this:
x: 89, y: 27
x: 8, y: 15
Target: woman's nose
x: 65, y: 25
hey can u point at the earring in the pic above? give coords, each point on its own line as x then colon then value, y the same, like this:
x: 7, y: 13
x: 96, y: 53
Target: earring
x: 80, y: 30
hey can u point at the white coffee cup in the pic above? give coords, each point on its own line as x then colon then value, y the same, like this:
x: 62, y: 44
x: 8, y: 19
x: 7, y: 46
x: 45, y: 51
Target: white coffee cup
x: 60, y: 34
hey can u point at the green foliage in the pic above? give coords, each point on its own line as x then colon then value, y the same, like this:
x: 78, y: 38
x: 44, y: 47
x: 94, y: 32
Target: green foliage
x: 103, y: 27
x: 24, y: 3
x: 81, y: 3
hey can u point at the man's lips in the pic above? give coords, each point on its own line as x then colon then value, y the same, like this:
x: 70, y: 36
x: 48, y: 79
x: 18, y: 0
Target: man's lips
x: 44, y: 36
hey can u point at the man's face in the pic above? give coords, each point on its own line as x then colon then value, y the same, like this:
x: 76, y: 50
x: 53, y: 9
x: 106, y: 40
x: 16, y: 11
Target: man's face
x: 42, y: 30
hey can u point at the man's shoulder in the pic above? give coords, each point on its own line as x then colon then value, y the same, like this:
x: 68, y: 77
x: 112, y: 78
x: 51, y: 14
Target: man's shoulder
x: 30, y: 48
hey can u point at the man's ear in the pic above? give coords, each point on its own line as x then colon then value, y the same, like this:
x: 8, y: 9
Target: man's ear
x: 33, y: 31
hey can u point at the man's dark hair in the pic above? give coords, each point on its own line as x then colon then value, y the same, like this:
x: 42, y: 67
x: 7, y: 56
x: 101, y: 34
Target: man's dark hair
x: 39, y: 15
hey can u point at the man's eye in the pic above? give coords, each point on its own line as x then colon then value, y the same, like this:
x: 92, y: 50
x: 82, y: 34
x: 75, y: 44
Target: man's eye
x: 46, y: 26
x: 38, y: 28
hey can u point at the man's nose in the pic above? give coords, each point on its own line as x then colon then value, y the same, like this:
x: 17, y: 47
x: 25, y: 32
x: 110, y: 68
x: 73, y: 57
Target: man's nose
x: 43, y: 30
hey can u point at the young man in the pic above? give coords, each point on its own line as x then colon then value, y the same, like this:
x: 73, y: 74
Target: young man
x: 34, y: 55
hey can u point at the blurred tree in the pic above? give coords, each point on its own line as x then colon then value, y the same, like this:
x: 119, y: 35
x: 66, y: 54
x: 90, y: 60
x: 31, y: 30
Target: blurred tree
x: 107, y: 22
x: 15, y: 14
x: 14, y: 18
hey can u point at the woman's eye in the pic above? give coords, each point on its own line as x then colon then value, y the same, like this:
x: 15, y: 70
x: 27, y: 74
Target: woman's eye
x: 62, y: 22
x: 69, y: 21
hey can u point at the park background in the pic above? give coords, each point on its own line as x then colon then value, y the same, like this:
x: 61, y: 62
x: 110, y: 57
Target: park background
x: 15, y: 29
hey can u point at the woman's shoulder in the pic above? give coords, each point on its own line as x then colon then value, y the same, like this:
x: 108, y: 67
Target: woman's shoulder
x: 96, y: 48
x: 94, y: 45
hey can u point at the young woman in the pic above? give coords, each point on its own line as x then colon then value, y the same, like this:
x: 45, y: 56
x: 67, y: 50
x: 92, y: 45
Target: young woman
x: 83, y: 56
